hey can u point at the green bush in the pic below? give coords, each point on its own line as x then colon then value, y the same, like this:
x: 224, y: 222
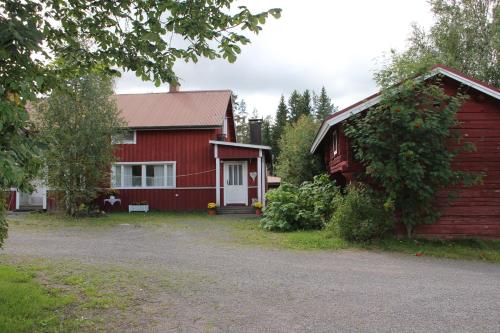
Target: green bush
x: 360, y: 215
x: 309, y: 206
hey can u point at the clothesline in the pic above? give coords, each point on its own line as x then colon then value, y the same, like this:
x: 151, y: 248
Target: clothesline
x: 196, y: 173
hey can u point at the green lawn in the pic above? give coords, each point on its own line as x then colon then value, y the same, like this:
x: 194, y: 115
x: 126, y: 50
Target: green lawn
x: 27, y: 306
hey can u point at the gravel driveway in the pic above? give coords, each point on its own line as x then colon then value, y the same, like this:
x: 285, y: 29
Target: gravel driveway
x: 251, y: 289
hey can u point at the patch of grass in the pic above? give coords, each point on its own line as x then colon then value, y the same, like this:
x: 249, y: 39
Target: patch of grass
x: 98, y: 297
x: 249, y: 233
x: 51, y: 220
x: 488, y: 250
x: 27, y: 306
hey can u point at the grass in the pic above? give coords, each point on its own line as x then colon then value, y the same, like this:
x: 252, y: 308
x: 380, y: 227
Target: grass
x: 27, y: 306
x: 44, y: 295
x: 247, y: 232
x: 470, y: 249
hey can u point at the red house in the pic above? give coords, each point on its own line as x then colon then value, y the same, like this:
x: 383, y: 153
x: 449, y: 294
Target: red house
x: 476, y: 212
x: 180, y: 153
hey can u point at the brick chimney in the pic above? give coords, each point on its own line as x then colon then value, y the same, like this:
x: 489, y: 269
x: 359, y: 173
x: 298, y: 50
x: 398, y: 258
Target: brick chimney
x: 255, y: 131
x: 174, y: 87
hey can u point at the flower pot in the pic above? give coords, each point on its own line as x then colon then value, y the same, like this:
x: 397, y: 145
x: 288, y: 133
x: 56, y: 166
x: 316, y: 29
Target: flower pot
x: 258, y: 211
x: 212, y: 212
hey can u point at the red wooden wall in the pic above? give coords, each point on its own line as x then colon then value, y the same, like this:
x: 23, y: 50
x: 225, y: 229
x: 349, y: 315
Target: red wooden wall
x: 476, y: 212
x: 9, y: 198
x: 195, y: 167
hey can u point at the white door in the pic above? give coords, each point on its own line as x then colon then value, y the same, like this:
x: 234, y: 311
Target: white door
x: 235, y: 183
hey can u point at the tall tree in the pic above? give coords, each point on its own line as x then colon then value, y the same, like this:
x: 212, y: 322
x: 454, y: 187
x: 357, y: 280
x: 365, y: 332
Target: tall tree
x: 295, y: 164
x: 281, y: 120
x: 241, y: 122
x: 76, y: 124
x: 323, y: 106
x: 465, y: 36
x: 128, y: 34
x: 306, y: 104
x: 294, y: 106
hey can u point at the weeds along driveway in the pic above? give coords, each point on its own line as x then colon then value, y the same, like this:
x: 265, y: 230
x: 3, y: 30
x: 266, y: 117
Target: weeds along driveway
x: 215, y: 283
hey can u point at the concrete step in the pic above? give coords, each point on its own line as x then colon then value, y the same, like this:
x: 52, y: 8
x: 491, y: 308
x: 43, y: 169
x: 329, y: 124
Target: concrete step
x: 236, y: 210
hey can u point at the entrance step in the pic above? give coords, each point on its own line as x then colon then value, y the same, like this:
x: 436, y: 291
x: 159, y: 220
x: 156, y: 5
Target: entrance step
x: 29, y: 208
x: 227, y: 210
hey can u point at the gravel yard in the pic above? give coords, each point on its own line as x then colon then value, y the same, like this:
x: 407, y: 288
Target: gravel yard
x: 216, y: 285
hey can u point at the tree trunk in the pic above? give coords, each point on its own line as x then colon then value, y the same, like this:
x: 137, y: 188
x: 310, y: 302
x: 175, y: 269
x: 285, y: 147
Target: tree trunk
x: 409, y: 231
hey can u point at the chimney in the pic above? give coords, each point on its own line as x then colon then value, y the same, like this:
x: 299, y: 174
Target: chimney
x: 255, y: 131
x: 174, y: 87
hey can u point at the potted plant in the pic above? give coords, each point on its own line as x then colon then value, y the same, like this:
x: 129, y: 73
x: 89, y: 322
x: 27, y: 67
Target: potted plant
x: 258, y: 208
x: 138, y: 206
x: 113, y: 193
x: 212, y: 208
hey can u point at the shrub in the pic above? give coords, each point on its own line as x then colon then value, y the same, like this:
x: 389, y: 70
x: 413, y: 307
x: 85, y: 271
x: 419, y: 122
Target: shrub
x: 309, y: 206
x: 360, y: 215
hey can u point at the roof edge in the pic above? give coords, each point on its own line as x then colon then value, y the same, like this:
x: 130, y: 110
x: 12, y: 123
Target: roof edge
x: 375, y: 98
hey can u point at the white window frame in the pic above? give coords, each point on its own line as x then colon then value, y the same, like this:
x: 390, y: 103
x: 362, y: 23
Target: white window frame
x: 143, y: 175
x: 335, y: 142
x: 126, y: 142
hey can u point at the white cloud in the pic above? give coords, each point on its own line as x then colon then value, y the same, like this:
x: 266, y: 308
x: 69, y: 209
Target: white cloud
x: 316, y: 43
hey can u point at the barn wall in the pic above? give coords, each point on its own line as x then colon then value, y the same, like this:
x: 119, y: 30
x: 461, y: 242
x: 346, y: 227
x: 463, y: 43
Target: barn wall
x: 476, y: 211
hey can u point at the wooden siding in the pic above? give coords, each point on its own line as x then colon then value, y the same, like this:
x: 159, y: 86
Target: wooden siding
x: 476, y: 211
x: 165, y: 199
x: 194, y: 156
x: 9, y: 198
x: 228, y: 152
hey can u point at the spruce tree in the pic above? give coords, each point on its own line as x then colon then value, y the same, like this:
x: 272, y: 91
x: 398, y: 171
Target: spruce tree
x: 281, y: 120
x: 305, y: 104
x: 323, y: 105
x: 294, y: 106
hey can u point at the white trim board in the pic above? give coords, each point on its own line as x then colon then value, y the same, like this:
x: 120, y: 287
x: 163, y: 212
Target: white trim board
x: 376, y: 99
x: 242, y: 145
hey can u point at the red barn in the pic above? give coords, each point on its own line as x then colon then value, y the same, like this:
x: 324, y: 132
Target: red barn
x: 180, y: 153
x: 476, y: 212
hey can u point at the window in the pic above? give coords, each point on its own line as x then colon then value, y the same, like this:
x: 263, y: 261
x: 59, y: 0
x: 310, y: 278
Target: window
x: 235, y: 175
x: 335, y: 143
x: 143, y: 175
x: 125, y: 137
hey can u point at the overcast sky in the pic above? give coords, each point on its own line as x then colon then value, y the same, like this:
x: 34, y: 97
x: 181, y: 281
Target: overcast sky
x: 336, y: 44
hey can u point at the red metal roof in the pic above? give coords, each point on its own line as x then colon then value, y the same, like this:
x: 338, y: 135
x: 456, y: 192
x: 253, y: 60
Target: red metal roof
x: 174, y: 109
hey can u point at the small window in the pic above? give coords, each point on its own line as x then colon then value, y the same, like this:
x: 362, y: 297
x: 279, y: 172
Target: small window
x: 125, y: 137
x: 335, y: 143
